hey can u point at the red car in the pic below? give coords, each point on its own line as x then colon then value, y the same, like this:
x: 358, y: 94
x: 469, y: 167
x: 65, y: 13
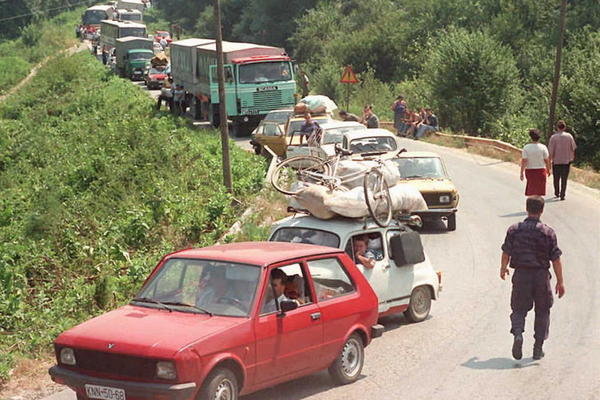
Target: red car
x: 224, y: 321
x: 162, y: 34
x: 154, y: 78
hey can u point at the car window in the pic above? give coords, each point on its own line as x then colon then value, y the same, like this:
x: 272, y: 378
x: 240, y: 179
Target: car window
x: 306, y: 235
x: 280, y: 117
x: 295, y: 287
x: 330, y: 278
x: 373, y: 246
x: 221, y: 288
x: 420, y: 167
x: 379, y: 143
x: 294, y: 126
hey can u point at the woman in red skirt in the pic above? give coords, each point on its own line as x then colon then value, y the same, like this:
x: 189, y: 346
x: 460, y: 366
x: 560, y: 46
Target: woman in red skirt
x: 535, y: 165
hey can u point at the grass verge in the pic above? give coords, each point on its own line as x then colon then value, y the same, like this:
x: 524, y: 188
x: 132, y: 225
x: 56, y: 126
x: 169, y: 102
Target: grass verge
x: 96, y: 187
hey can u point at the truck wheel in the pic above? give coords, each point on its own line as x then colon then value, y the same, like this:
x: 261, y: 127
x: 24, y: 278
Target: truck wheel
x: 221, y: 384
x: 347, y: 366
x: 452, y: 222
x: 419, y: 305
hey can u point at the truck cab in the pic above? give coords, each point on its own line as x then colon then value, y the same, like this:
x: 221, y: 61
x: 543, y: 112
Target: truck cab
x: 136, y: 62
x: 402, y: 276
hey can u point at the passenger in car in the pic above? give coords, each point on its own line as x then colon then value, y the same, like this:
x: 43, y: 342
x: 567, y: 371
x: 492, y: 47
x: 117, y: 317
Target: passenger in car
x: 278, y: 284
x: 360, y: 252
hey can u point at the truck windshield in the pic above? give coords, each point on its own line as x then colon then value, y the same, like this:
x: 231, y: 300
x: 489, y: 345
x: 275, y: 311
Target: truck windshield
x: 306, y: 235
x: 420, y: 167
x: 93, y: 17
x: 137, y: 32
x: 274, y: 71
x: 140, y: 56
x: 202, y: 286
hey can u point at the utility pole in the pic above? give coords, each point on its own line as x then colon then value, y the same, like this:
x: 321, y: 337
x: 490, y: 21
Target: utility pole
x: 222, y: 107
x: 555, y: 83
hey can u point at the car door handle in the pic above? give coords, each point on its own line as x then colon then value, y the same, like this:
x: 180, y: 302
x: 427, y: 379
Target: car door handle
x: 315, y: 316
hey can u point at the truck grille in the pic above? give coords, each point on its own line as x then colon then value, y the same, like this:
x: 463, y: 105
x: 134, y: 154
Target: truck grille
x: 115, y: 364
x: 433, y: 199
x: 270, y: 100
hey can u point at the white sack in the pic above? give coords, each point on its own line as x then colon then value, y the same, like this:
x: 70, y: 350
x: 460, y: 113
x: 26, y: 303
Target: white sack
x: 312, y: 199
x: 349, y: 204
x: 407, y: 198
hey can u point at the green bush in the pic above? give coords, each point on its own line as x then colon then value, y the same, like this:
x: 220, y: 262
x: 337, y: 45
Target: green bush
x: 12, y: 70
x: 473, y: 81
x: 96, y: 187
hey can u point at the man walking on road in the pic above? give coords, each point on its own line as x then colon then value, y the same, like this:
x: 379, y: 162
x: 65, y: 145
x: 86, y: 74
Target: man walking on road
x: 530, y: 246
x: 562, y: 153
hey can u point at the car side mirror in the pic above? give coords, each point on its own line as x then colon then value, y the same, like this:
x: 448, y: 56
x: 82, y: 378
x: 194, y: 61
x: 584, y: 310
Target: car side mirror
x: 407, y: 248
x: 287, y: 305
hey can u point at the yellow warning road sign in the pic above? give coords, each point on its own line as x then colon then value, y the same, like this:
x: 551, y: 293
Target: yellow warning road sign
x: 348, y: 76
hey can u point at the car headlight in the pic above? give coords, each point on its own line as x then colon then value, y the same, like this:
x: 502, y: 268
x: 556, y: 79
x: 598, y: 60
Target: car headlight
x: 444, y: 199
x: 166, y: 370
x: 67, y: 356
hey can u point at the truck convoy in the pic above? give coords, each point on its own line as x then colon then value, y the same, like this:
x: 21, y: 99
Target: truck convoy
x: 131, y: 4
x: 129, y: 15
x: 94, y: 15
x: 133, y: 55
x: 258, y: 79
x: 113, y: 30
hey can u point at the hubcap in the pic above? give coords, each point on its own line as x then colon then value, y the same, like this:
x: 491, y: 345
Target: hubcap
x: 224, y: 390
x: 420, y: 302
x: 351, y: 357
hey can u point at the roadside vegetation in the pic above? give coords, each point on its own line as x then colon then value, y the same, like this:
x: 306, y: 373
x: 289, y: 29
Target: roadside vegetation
x: 485, y: 67
x: 36, y: 41
x: 96, y: 187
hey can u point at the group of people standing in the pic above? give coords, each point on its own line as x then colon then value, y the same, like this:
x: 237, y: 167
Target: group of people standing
x: 538, y: 161
x: 409, y: 123
x: 174, y: 97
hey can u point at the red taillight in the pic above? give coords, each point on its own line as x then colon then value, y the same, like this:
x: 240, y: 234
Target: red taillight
x: 439, y: 275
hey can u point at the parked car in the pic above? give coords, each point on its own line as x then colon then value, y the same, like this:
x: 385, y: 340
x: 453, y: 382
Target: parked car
x: 427, y: 172
x: 270, y: 132
x: 210, y: 324
x: 158, y: 35
x: 403, y: 277
x: 154, y: 78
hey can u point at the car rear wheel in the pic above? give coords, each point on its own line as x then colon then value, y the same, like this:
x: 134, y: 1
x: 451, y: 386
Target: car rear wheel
x: 419, y: 305
x: 452, y: 222
x: 221, y: 384
x: 348, y: 365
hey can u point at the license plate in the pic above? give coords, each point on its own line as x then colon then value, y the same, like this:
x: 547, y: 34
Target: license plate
x: 266, y: 88
x: 104, y: 392
x: 137, y: 72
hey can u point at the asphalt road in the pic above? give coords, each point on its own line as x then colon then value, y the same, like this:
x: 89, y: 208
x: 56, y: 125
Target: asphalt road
x: 463, y: 350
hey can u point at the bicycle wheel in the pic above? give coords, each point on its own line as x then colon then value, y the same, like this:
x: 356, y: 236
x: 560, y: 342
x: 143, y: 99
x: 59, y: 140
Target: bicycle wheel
x: 377, y: 197
x: 290, y: 174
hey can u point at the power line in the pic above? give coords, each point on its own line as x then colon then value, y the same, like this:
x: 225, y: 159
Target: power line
x: 45, y: 11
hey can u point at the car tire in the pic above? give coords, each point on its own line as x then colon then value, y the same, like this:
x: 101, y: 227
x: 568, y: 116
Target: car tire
x: 221, y: 383
x: 419, y: 305
x: 349, y: 363
x: 257, y: 150
x: 451, y: 222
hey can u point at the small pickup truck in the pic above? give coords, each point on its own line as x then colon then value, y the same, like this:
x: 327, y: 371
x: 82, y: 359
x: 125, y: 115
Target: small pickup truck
x: 224, y: 321
x: 402, y: 276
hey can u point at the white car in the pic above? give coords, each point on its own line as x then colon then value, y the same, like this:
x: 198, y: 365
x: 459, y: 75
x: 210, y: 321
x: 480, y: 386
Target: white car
x: 334, y: 132
x: 403, y: 278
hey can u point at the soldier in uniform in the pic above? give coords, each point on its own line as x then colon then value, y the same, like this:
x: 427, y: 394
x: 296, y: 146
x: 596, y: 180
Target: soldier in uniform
x: 529, y: 248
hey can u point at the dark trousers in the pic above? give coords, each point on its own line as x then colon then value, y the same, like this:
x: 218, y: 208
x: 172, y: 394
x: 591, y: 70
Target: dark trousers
x: 531, y: 287
x: 168, y: 100
x: 561, y: 175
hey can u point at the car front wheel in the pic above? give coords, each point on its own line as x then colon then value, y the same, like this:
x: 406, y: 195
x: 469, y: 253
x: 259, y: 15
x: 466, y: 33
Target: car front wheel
x: 221, y: 384
x: 419, y: 305
x: 347, y: 366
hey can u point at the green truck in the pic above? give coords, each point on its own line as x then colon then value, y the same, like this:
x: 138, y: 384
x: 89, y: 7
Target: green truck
x: 133, y: 55
x: 258, y: 79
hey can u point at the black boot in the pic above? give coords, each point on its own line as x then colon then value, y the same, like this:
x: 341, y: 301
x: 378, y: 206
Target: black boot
x: 517, y: 349
x: 538, y: 353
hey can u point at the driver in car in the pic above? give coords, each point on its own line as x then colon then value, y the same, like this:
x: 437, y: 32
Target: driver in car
x: 278, y: 284
x: 212, y: 287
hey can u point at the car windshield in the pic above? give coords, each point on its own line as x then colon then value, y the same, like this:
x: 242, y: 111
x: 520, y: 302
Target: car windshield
x: 376, y: 143
x: 306, y: 235
x: 162, y: 34
x: 154, y: 71
x: 336, y: 135
x: 420, y: 167
x: 280, y: 117
x: 93, y: 17
x: 140, y: 56
x: 275, y: 71
x: 202, y: 286
x: 294, y: 126
x: 137, y: 32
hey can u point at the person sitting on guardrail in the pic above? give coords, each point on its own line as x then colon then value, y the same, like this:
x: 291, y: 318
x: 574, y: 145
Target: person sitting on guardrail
x: 429, y: 124
x: 369, y: 119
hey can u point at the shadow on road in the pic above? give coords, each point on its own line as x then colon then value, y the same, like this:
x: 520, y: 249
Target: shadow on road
x: 433, y: 227
x: 297, y: 389
x: 515, y: 214
x: 498, y: 363
x: 396, y: 321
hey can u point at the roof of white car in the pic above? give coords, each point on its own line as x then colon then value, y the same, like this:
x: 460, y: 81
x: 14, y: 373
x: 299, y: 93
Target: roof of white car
x: 367, y: 133
x: 336, y: 225
x: 418, y: 154
x: 333, y: 124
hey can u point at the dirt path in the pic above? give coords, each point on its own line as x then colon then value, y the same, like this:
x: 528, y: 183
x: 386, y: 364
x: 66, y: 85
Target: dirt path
x: 71, y: 50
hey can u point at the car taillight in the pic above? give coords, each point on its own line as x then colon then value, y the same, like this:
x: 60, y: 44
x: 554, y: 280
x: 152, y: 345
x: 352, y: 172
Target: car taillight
x: 439, y: 276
